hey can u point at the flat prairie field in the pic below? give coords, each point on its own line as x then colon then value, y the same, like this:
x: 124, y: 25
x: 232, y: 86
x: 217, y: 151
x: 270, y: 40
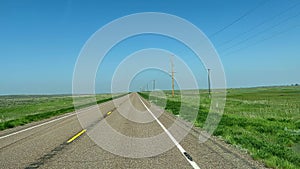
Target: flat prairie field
x: 18, y: 110
x: 263, y: 121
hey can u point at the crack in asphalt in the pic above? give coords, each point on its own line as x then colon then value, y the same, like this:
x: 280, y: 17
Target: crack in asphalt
x: 47, y: 156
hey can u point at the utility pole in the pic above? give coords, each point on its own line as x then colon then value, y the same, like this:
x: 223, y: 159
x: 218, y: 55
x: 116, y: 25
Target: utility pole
x: 172, y: 73
x: 208, y: 78
x: 153, y: 85
x: 147, y: 87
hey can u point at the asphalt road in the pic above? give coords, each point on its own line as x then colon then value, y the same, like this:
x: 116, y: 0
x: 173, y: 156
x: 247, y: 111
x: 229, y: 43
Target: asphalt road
x: 45, y: 144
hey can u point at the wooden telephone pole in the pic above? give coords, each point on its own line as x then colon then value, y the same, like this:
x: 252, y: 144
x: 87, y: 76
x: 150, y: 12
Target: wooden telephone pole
x: 208, y: 80
x: 172, y: 74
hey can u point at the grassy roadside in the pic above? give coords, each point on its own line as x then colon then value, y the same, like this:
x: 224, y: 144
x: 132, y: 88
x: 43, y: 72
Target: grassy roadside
x: 265, y: 122
x: 20, y: 110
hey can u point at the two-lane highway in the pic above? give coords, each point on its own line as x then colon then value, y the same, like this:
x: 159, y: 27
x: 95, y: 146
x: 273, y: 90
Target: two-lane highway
x: 65, y: 143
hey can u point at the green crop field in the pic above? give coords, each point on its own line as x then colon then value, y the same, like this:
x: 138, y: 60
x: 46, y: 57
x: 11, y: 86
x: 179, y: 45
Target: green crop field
x: 18, y: 110
x: 263, y: 121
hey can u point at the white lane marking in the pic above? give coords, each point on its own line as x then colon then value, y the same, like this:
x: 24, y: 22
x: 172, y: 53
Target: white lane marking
x: 193, y: 163
x: 36, y: 126
x: 51, y: 121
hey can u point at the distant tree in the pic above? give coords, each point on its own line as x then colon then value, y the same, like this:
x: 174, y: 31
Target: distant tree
x: 296, y: 84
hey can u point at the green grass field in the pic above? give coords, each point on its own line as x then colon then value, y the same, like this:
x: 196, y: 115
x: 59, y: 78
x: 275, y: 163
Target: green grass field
x: 264, y: 121
x: 18, y: 110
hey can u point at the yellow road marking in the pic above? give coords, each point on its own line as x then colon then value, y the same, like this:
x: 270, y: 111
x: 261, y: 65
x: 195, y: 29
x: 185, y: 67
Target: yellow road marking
x: 77, y: 135
x: 80, y: 133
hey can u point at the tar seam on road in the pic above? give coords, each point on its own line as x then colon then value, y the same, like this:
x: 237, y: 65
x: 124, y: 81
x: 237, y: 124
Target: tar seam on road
x: 52, y: 153
x: 180, y: 148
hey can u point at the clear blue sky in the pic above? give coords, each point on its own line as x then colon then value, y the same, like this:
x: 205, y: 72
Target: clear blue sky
x: 258, y: 41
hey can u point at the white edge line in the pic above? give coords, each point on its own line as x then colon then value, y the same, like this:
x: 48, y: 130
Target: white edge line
x: 180, y: 148
x: 36, y: 126
x: 51, y: 121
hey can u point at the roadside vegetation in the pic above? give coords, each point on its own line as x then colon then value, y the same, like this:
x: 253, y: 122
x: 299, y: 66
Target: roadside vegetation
x: 16, y: 110
x: 264, y: 121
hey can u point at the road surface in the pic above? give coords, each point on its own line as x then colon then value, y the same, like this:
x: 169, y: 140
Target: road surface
x: 64, y: 142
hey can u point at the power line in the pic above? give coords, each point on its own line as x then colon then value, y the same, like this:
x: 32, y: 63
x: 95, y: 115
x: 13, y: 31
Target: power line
x: 261, y: 32
x: 239, y: 18
x: 261, y: 23
x: 262, y: 40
